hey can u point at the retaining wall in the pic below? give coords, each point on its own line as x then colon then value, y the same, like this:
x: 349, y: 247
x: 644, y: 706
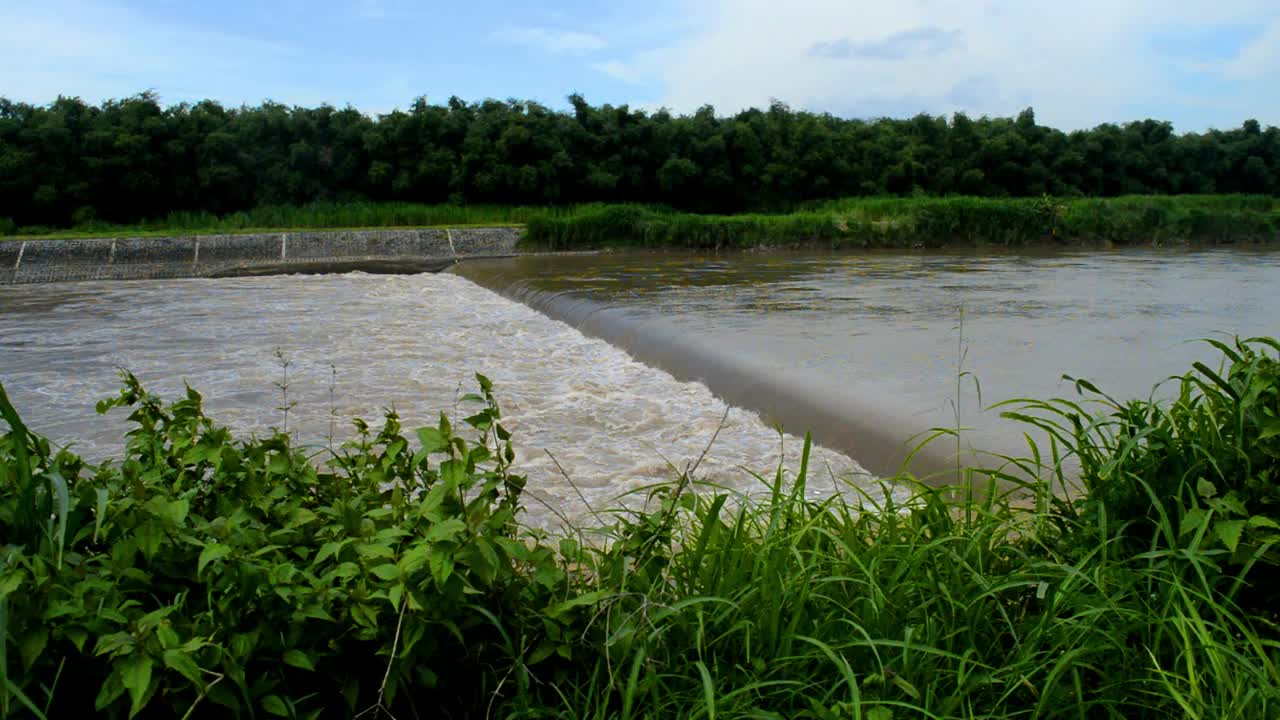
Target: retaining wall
x: 37, y: 261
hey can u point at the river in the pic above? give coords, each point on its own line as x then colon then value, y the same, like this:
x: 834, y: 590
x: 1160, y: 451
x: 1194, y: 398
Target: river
x: 868, y: 349
x: 864, y: 349
x: 590, y: 423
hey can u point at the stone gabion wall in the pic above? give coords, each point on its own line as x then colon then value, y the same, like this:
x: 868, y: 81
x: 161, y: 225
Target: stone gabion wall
x: 485, y: 242
x: 37, y: 261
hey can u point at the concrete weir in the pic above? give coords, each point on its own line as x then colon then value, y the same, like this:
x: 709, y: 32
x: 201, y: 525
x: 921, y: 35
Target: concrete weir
x: 146, y: 258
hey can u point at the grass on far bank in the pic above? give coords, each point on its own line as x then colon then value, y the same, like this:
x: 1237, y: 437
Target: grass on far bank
x: 847, y: 223
x: 926, y: 222
x: 317, y: 216
x: 205, y: 576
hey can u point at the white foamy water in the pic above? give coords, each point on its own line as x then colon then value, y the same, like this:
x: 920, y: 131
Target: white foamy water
x: 412, y: 343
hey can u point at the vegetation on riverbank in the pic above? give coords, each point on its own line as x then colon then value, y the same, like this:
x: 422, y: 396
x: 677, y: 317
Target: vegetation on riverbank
x: 204, y: 576
x: 852, y: 222
x: 131, y: 160
x: 316, y: 216
x: 928, y: 222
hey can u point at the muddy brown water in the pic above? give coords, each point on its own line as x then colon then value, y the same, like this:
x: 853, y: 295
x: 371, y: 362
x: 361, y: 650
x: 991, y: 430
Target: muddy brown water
x: 621, y: 366
x: 866, y: 349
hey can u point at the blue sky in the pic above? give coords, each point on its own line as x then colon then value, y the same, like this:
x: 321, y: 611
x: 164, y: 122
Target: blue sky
x: 1195, y: 62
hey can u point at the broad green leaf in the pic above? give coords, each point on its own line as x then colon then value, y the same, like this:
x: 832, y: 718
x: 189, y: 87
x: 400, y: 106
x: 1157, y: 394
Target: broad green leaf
x: 300, y: 517
x: 60, y: 609
x: 11, y: 580
x: 183, y: 663
x: 544, y: 650
x: 386, y: 571
x: 298, y: 659
x: 135, y: 675
x: 329, y: 549
x: 906, y: 687
x: 452, y: 475
x: 111, y: 690
x: 414, y: 558
x: 374, y: 551
x: 114, y: 644
x: 445, y: 530
x: 432, y: 500
x: 149, y: 537
x: 171, y: 511
x: 433, y: 441
x: 167, y: 637
x: 590, y: 598
x: 1205, y: 489
x: 77, y: 636
x: 274, y: 705
x: 1270, y: 430
x: 879, y: 713
x: 1230, y: 504
x: 1229, y: 531
x: 1192, y: 521
x: 279, y: 464
x: 313, y: 611
x: 485, y: 547
x: 59, y: 485
x: 441, y: 562
x: 211, y: 552
x: 100, y: 512
x: 154, y: 618
x: 343, y: 571
x: 479, y: 564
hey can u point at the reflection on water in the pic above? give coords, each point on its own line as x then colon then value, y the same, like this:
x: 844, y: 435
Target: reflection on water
x: 408, y: 342
x: 830, y: 341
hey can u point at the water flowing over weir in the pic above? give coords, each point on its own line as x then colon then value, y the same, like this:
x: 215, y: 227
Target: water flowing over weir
x: 867, y: 349
x: 863, y: 423
x: 410, y: 342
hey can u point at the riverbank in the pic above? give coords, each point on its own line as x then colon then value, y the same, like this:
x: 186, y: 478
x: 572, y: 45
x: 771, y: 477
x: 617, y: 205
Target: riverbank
x: 402, y: 581
x: 926, y: 222
x: 848, y: 223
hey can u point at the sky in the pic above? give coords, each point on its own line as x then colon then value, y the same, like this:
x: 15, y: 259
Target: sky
x: 1197, y: 63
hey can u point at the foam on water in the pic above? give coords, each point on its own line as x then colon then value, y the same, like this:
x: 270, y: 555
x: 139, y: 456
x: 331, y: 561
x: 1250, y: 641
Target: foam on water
x: 408, y: 342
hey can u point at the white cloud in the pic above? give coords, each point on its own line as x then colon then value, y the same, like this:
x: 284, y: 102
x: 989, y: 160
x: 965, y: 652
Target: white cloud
x: 617, y: 70
x: 99, y: 51
x: 555, y: 42
x: 1260, y: 57
x: 1078, y: 63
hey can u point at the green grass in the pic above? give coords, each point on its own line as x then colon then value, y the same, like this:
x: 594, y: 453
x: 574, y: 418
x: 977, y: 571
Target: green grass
x: 926, y: 222
x: 855, y: 222
x: 207, y: 576
x: 344, y: 216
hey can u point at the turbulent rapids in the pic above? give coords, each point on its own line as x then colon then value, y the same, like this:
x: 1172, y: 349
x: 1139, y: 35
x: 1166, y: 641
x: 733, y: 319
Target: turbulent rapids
x: 357, y: 344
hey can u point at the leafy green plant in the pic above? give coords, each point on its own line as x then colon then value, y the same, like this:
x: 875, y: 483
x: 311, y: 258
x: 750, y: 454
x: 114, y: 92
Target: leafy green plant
x: 204, y: 572
x: 201, y: 576
x: 1201, y: 471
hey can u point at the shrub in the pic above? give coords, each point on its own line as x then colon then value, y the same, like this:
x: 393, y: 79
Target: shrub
x: 1202, y: 471
x: 240, y: 576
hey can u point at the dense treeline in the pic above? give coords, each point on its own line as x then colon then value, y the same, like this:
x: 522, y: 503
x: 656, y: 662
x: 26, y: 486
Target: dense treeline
x: 132, y: 159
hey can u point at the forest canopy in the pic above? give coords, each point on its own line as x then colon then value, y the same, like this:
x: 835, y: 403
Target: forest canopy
x: 133, y: 159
